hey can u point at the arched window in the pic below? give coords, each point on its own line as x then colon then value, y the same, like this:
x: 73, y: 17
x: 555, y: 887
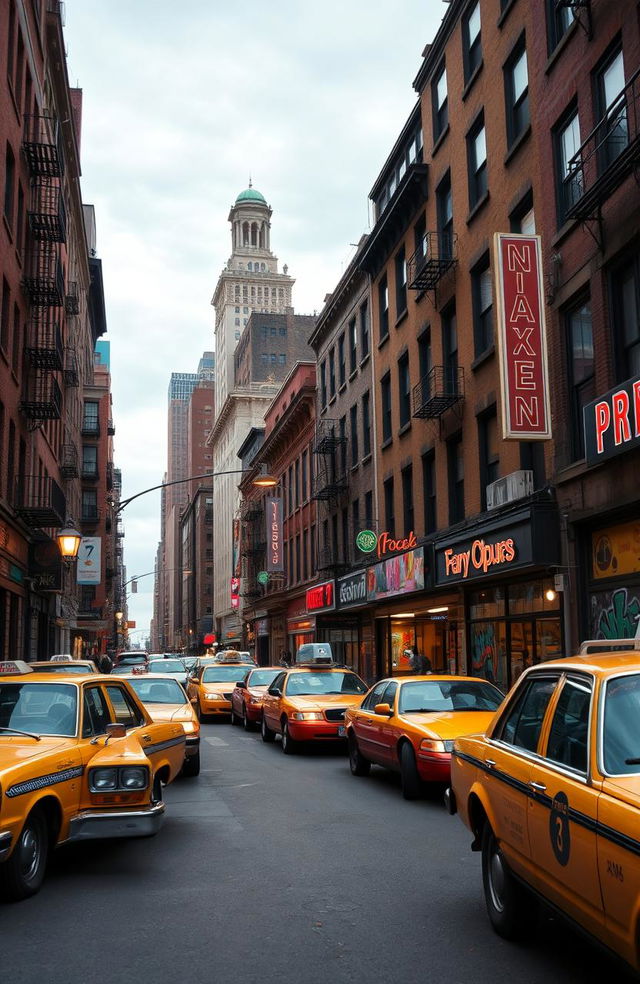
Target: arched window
x: 249, y: 266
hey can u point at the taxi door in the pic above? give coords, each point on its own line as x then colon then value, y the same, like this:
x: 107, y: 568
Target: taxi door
x: 389, y: 730
x: 271, y: 703
x: 367, y: 725
x: 507, y: 761
x: 95, y: 716
x: 563, y: 808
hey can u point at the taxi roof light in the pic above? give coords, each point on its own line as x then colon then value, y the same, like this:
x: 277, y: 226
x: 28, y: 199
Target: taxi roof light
x: 608, y: 646
x: 14, y: 667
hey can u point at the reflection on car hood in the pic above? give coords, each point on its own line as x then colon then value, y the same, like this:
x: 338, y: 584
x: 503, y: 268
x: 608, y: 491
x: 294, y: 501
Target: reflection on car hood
x: 450, y: 724
x: 169, y: 712
x: 16, y: 749
x: 318, y: 702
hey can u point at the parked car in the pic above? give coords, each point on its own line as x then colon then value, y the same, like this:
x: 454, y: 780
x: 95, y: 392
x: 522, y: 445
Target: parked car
x: 80, y: 759
x: 170, y: 665
x: 551, y: 794
x: 408, y: 724
x: 248, y: 695
x: 211, y: 687
x: 166, y: 700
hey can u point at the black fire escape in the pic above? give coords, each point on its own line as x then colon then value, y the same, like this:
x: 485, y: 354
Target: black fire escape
x: 329, y: 488
x: 43, y: 280
x: 253, y: 549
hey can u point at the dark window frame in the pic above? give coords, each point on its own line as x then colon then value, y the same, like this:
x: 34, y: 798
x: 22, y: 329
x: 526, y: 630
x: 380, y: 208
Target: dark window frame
x: 440, y: 110
x: 517, y: 112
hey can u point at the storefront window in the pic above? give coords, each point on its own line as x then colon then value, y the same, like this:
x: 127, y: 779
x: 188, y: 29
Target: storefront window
x: 532, y: 596
x: 487, y: 603
x: 488, y: 645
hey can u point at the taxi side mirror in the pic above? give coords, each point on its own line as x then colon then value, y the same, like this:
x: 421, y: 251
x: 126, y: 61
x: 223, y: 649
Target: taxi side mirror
x: 383, y: 709
x: 241, y: 685
x: 275, y: 691
x: 116, y: 730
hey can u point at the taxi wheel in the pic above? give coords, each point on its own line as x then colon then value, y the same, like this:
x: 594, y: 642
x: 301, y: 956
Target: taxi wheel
x: 508, y: 904
x: 156, y: 794
x: 289, y: 745
x: 234, y: 716
x: 23, y: 874
x: 266, y: 732
x: 246, y: 723
x: 359, y: 765
x: 191, y: 766
x: 410, y: 780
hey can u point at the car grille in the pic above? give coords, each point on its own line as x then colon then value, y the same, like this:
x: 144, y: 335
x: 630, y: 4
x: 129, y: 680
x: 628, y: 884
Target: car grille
x: 335, y: 713
x: 227, y: 696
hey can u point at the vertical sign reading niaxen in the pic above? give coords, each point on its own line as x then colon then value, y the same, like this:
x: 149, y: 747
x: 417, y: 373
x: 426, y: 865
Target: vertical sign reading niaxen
x: 275, y: 555
x: 522, y: 340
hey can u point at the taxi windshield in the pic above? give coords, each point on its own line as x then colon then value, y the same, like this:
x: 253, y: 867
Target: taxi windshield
x: 621, y: 726
x: 224, y: 674
x: 39, y: 708
x: 62, y: 668
x: 333, y: 682
x: 448, y: 695
x: 158, y: 691
x: 262, y: 678
x: 166, y: 666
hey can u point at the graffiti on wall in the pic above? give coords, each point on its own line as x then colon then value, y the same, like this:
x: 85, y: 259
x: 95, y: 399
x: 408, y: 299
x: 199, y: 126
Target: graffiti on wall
x: 615, y: 614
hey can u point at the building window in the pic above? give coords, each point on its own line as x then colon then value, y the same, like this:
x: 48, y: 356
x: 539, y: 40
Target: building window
x: 89, y: 505
x: 89, y: 461
x: 343, y: 446
x: 364, y: 329
x: 455, y: 470
x: 471, y: 41
x: 264, y: 358
x: 355, y: 458
x: 440, y: 103
x: 613, y: 126
x: 342, y: 367
x: 477, y: 162
x: 303, y: 476
x: 368, y: 510
x: 366, y: 424
x: 450, y: 349
x: 305, y: 555
x: 298, y: 567
x: 401, y: 282
x: 523, y: 219
x: 488, y: 448
x: 429, y: 490
x: 383, y: 302
x: 332, y: 374
x: 389, y: 518
x: 291, y: 490
x: 9, y: 184
x: 420, y: 240
x: 346, y: 539
x: 282, y: 359
x: 516, y: 89
x: 559, y: 20
x: 90, y: 423
x: 482, y: 295
x: 581, y: 379
x: 407, y: 499
x: 444, y: 212
x: 353, y: 340
x: 297, y: 483
x: 323, y: 384
x: 5, y: 317
x: 404, y: 389
x: 425, y: 359
x: 566, y: 139
x: 625, y: 292
x: 355, y: 516
x: 385, y: 392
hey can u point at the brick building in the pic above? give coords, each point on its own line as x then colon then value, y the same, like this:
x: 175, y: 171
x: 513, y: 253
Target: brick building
x: 270, y: 345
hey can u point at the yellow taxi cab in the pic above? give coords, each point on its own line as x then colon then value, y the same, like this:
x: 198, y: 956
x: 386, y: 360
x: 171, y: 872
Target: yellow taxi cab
x: 409, y: 724
x: 308, y: 702
x: 210, y: 687
x: 80, y: 759
x: 166, y: 700
x: 248, y: 695
x: 551, y: 794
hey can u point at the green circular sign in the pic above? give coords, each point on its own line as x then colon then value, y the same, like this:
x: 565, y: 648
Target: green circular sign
x: 366, y: 541
x: 263, y: 577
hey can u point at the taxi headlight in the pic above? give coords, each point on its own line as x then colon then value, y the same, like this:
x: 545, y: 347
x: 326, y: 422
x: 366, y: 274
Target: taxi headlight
x: 134, y: 778
x: 306, y: 716
x: 189, y: 727
x: 214, y: 696
x: 432, y: 745
x: 103, y: 780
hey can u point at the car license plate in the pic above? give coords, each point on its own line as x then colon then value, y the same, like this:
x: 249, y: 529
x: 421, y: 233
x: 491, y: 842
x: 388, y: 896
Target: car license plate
x: 342, y: 731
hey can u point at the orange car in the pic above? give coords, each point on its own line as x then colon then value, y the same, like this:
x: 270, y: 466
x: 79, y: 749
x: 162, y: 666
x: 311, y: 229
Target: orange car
x: 210, y: 688
x: 246, y: 699
x: 165, y: 699
x: 307, y: 703
x: 409, y: 725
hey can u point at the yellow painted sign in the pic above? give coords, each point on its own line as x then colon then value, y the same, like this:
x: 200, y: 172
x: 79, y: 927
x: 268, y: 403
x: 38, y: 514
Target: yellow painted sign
x: 615, y: 551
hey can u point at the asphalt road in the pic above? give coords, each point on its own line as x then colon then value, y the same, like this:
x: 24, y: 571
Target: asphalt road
x: 273, y: 869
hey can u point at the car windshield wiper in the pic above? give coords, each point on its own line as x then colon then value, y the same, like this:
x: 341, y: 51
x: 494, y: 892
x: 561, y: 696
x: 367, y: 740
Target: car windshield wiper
x: 16, y: 731
x: 633, y: 761
x: 423, y: 710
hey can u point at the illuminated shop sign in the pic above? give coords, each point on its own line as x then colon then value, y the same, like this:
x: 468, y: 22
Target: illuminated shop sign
x: 522, y: 344
x: 235, y: 592
x: 321, y: 598
x: 352, y: 590
x: 275, y: 554
x: 396, y: 575
x: 388, y: 544
x: 612, y: 422
x: 497, y: 549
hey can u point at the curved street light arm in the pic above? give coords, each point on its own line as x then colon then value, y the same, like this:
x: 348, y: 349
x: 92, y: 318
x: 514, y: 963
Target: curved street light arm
x: 177, y: 481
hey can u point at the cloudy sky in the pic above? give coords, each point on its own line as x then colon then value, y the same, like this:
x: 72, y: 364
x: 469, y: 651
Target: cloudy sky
x: 181, y: 103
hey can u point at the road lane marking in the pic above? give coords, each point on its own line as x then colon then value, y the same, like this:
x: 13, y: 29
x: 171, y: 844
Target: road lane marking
x: 217, y: 741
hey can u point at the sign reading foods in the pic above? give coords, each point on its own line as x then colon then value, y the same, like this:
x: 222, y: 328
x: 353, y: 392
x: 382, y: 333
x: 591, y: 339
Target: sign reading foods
x: 612, y: 422
x: 522, y: 343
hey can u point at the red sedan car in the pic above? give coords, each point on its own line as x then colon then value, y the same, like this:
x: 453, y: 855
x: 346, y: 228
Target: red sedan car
x: 246, y: 699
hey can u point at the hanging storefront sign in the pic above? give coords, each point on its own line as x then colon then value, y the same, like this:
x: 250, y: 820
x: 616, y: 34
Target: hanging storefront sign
x: 275, y: 553
x: 235, y: 592
x: 527, y: 538
x: 366, y: 541
x: 396, y: 575
x: 352, y: 590
x: 612, y: 422
x: 89, y: 560
x: 522, y: 342
x: 235, y: 548
x: 615, y: 551
x: 388, y: 544
x: 321, y: 597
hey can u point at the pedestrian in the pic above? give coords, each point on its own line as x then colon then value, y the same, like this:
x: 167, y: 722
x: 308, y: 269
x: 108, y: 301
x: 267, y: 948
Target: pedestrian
x: 105, y: 663
x: 420, y: 663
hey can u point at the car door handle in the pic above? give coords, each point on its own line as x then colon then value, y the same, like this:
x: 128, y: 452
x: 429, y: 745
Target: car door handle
x: 490, y: 763
x: 146, y: 737
x: 538, y: 786
x: 64, y: 765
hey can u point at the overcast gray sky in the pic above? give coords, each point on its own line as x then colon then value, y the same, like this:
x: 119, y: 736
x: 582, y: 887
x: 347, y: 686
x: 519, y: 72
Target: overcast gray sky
x: 182, y: 101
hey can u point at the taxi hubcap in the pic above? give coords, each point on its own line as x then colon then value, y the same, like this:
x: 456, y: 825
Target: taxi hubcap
x: 29, y: 853
x: 496, y: 878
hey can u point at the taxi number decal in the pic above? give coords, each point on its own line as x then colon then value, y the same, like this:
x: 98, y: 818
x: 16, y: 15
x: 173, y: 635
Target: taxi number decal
x: 615, y: 870
x: 559, y: 828
x: 42, y: 781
